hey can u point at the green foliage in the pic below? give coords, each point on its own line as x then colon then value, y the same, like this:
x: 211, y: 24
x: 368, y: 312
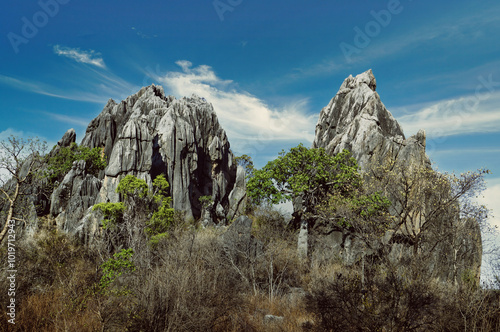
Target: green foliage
x: 469, y: 278
x: 130, y: 185
x: 162, y: 218
x: 246, y: 161
x: 205, y: 201
x: 372, y: 205
x: 302, y: 171
x: 115, y: 267
x: 154, y: 198
x: 60, y: 164
x: 113, y: 213
x: 367, y: 213
x: 156, y: 239
x: 160, y: 186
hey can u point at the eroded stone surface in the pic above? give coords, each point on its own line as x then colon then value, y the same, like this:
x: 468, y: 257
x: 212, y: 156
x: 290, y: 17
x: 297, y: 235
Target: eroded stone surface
x: 149, y: 134
x: 357, y: 120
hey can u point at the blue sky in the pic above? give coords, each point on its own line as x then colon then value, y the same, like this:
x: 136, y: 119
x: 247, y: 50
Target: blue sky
x: 268, y: 67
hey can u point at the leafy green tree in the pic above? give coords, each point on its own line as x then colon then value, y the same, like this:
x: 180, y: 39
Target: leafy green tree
x: 364, y: 215
x: 305, y: 174
x: 113, y: 213
x: 163, y: 217
x: 246, y: 162
x: 132, y: 186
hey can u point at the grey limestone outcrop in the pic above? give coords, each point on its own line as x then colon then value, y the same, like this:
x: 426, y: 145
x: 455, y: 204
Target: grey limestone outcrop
x: 357, y: 120
x: 148, y: 134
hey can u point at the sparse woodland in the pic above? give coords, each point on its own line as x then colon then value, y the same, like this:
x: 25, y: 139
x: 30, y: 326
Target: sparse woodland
x: 153, y: 269
x: 154, y: 225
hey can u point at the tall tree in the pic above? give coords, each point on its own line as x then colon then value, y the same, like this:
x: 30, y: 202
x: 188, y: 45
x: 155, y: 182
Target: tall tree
x: 304, y: 174
x: 20, y: 161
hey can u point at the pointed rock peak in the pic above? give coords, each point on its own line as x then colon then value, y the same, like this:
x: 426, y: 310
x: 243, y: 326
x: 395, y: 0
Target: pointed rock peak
x: 196, y: 99
x: 157, y: 90
x: 420, y: 137
x: 367, y: 78
x: 148, y: 92
x: 110, y: 103
x: 68, y: 138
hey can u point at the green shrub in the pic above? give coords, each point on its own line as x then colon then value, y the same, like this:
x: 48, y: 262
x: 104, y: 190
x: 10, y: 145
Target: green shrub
x: 138, y: 196
x: 132, y: 186
x: 205, y: 201
x: 113, y: 213
x: 60, y: 164
x: 115, y: 267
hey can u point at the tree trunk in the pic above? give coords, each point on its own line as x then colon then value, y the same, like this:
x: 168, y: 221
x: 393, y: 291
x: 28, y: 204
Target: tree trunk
x: 12, y: 201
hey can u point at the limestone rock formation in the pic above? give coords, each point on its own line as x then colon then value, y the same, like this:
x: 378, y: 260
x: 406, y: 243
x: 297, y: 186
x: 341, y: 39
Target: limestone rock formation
x: 148, y: 134
x: 357, y: 120
x: 71, y: 200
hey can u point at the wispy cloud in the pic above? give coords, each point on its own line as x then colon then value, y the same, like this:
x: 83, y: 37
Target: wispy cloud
x: 90, y: 57
x: 26, y: 85
x: 95, y: 86
x: 73, y: 120
x: 143, y: 35
x: 250, y: 123
x: 465, y: 151
x: 452, y: 28
x: 478, y: 113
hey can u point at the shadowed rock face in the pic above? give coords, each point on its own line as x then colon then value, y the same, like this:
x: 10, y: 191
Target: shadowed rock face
x: 149, y: 134
x: 357, y: 120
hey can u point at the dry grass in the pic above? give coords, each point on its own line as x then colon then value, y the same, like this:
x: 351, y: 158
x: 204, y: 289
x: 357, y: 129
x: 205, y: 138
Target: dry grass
x: 187, y: 283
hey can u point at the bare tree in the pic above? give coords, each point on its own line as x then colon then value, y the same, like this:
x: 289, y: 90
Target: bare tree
x: 435, y: 213
x: 20, y: 161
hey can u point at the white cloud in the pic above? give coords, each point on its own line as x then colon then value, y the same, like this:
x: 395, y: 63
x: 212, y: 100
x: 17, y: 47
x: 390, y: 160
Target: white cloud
x: 11, y: 132
x: 478, y: 113
x: 250, y: 123
x: 491, y: 198
x: 491, y: 241
x: 73, y: 120
x: 89, y: 57
x: 104, y: 84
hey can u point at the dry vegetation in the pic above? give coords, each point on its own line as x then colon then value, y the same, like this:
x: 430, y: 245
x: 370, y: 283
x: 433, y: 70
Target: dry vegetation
x: 188, y: 283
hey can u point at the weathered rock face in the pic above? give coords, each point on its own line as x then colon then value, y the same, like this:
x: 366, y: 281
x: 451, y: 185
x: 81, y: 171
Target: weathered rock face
x: 149, y: 134
x: 357, y: 120
x: 71, y: 200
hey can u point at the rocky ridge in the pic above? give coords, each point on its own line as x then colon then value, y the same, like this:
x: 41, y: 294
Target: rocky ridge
x: 148, y: 134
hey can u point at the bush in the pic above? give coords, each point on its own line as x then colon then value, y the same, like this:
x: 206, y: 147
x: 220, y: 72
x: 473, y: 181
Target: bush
x: 192, y: 289
x: 115, y: 267
x: 60, y: 164
x: 55, y: 281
